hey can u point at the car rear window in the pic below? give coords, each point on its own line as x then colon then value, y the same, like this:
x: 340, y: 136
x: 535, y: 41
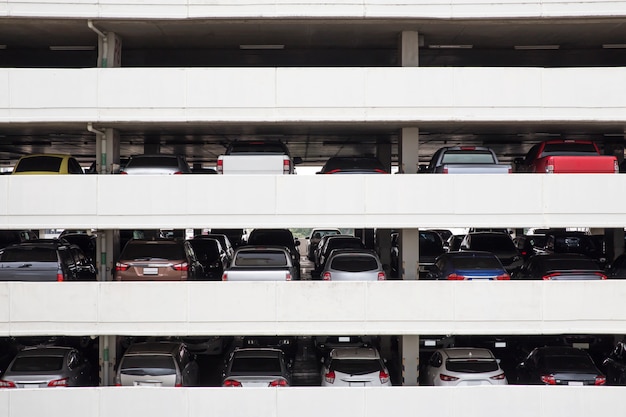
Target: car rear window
x: 39, y: 163
x: 356, y: 366
x: 430, y: 244
x: 261, y: 258
x: 37, y: 364
x: 153, y: 161
x: 256, y: 148
x: 152, y: 251
x: 478, y: 262
x: 468, y: 157
x: 566, y: 363
x: 569, y: 148
x: 577, y: 244
x: 354, y: 263
x: 569, y: 264
x: 148, y: 365
x: 256, y: 365
x: 28, y: 255
x: 472, y: 365
x: 491, y: 243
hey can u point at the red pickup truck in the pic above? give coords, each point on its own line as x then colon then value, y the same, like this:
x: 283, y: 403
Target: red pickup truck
x: 567, y: 157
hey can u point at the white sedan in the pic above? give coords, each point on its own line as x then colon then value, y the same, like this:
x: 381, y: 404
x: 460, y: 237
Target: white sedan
x: 464, y: 366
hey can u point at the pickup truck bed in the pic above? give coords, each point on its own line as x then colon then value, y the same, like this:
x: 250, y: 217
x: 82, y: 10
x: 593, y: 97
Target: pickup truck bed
x: 567, y: 157
x: 466, y: 160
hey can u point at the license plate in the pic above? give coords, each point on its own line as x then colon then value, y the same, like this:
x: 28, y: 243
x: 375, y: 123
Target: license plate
x: 580, y: 345
x: 577, y: 383
x: 344, y: 339
x: 151, y: 271
x: 430, y: 343
x: 500, y: 344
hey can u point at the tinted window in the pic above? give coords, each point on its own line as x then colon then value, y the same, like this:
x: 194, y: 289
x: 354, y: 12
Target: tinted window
x: 153, y: 161
x: 356, y: 366
x: 471, y: 366
x: 369, y: 164
x: 478, y: 262
x: 261, y: 258
x: 568, y: 264
x: 491, y: 243
x: 148, y: 251
x: 280, y: 238
x: 39, y: 163
x: 467, y: 157
x: 28, y: 255
x: 354, y: 263
x: 205, y: 249
x: 566, y: 363
x: 148, y: 365
x: 569, y: 148
x: 256, y: 365
x: 343, y: 244
x: 576, y: 244
x: 430, y: 244
x: 37, y: 364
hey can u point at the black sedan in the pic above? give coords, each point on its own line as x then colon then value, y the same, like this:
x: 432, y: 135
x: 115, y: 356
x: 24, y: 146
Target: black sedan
x: 559, y: 365
x: 560, y: 266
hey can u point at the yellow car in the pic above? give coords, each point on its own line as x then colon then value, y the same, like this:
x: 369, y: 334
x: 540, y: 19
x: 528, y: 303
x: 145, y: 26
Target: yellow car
x: 39, y: 164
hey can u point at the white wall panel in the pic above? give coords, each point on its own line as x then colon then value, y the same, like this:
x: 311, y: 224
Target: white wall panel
x: 263, y: 95
x: 179, y: 9
x: 312, y: 307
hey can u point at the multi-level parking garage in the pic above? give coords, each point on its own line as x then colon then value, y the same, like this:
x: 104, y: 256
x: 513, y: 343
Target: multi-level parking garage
x: 103, y: 81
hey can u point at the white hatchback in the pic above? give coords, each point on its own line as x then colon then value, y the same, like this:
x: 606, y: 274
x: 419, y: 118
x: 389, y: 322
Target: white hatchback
x: 464, y: 366
x: 355, y: 367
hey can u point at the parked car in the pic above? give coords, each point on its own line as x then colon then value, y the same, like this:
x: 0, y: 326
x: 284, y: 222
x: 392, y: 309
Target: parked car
x: 617, y: 268
x: 315, y: 237
x: 257, y: 157
x: 530, y: 245
x: 443, y: 233
x: 326, y: 344
x: 49, y: 367
x: 430, y: 247
x: 460, y: 366
x: 206, y: 345
x: 468, y: 265
x: 355, y: 367
x: 280, y: 237
x: 156, y: 164
x: 212, y: 256
x: 11, y: 237
x: 86, y: 242
x: 615, y: 365
x: 237, y: 237
x: 256, y: 367
x: 261, y: 263
x: 45, y: 260
x: 563, y: 241
x: 288, y: 344
x: 224, y: 241
x: 157, y: 364
x: 158, y: 260
x: 329, y: 243
x: 353, y: 165
x: 453, y: 243
x: 46, y: 164
x: 466, y: 160
x: 353, y: 265
x: 500, y: 244
x: 559, y: 365
x: 560, y: 266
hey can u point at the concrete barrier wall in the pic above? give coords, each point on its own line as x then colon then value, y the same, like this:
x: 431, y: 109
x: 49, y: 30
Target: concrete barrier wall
x: 182, y: 9
x: 378, y: 201
x: 312, y: 307
x: 512, y: 401
x: 315, y: 95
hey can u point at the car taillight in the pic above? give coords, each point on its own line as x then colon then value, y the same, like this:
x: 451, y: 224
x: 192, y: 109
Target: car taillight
x: 498, y: 377
x: 503, y: 277
x: 225, y: 276
x: 60, y: 277
x: 231, y: 383
x: 455, y: 277
x: 549, y: 169
x: 220, y: 166
x: 447, y: 378
x: 548, y: 277
x: 287, y: 276
x: 123, y: 173
x: 7, y: 384
x: 510, y: 170
x: 381, y: 276
x: 333, y: 171
x: 548, y: 379
x: 178, y: 173
x: 600, y: 274
x: 384, y: 377
x: 600, y: 380
x: 326, y: 276
x: 121, y: 267
x: 286, y: 166
x: 278, y: 383
x: 330, y: 377
x: 58, y: 383
x: 181, y: 267
x: 380, y: 171
x: 445, y: 170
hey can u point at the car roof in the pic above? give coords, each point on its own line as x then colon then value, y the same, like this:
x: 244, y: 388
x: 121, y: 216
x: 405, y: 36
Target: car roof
x: 468, y: 352
x: 45, y: 351
x: 469, y: 254
x: 561, y: 351
x: 154, y: 347
x: 354, y: 353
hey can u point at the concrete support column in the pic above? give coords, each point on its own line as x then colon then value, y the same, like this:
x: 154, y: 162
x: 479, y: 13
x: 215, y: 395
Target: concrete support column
x: 109, y: 50
x: 409, y: 254
x: 409, y: 49
x: 107, y: 353
x: 410, y: 353
x: 108, y: 152
x: 384, y: 153
x: 408, y: 148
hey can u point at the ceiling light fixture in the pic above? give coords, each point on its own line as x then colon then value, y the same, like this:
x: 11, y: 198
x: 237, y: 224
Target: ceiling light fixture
x: 72, y: 48
x: 3, y: 47
x: 262, y: 46
x: 614, y: 46
x: 536, y: 47
x: 451, y: 46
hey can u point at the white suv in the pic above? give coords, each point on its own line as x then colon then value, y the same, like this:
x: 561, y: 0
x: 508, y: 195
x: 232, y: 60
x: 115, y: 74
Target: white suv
x: 355, y: 367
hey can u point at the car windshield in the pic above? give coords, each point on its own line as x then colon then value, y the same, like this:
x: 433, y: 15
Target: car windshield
x: 567, y: 363
x: 257, y: 365
x: 149, y: 251
x: 354, y: 263
x: 356, y: 366
x: 492, y: 243
x: 39, y: 163
x: 37, y: 364
x: 28, y: 255
x: 153, y: 161
x: 430, y: 244
x: 261, y: 258
x: 468, y: 157
x: 472, y: 365
x: 569, y: 148
x: 476, y: 262
x: 576, y: 244
x: 148, y: 365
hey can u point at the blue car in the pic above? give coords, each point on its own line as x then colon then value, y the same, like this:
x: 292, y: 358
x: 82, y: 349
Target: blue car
x: 468, y: 265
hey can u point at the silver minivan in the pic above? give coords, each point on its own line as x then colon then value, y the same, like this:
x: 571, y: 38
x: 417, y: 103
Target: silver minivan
x: 157, y: 364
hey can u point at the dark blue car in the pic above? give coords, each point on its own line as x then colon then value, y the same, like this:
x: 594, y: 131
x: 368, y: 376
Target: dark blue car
x: 468, y: 265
